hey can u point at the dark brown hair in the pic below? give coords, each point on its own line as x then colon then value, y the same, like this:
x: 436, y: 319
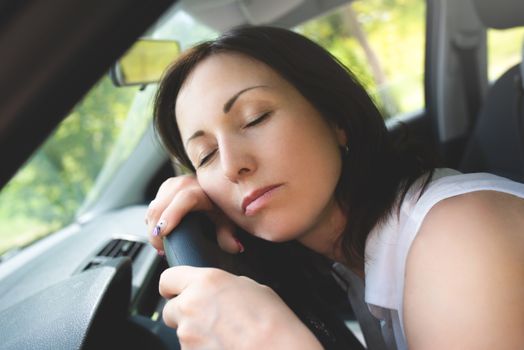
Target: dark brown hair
x: 374, y: 171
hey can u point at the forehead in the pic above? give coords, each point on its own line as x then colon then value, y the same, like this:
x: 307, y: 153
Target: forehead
x: 218, y: 77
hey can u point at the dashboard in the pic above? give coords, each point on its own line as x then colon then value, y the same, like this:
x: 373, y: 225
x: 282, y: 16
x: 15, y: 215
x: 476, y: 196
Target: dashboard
x: 90, y: 285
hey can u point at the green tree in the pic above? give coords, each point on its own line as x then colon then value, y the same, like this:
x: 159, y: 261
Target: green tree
x: 382, y: 43
x: 48, y: 190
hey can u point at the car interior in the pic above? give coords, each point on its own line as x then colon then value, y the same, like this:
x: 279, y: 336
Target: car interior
x: 495, y: 144
x: 81, y: 160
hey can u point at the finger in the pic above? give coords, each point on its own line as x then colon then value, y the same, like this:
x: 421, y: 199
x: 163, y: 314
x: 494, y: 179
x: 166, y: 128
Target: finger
x: 175, y: 279
x: 164, y: 195
x: 225, y: 231
x: 184, y: 201
x: 154, y: 209
x: 166, y: 190
x: 171, y: 314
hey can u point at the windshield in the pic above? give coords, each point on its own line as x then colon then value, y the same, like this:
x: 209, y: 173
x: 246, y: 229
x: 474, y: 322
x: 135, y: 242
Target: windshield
x: 78, y: 159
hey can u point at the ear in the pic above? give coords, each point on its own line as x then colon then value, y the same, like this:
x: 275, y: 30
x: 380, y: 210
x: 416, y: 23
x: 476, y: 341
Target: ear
x: 342, y: 138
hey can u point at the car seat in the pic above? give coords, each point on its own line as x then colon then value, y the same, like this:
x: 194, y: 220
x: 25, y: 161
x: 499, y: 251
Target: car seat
x: 496, y: 143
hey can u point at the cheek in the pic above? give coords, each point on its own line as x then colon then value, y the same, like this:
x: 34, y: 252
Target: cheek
x: 311, y: 152
x: 210, y: 185
x: 219, y: 190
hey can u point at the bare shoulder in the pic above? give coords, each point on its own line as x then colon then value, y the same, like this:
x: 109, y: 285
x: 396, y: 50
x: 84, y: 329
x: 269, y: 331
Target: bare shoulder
x: 465, y: 274
x: 478, y: 216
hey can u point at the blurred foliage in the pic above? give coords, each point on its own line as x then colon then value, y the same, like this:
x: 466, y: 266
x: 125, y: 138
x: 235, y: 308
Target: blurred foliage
x: 382, y: 43
x: 504, y: 50
x: 47, y: 191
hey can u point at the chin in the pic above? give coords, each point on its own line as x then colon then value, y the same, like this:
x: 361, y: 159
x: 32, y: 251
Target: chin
x: 273, y: 237
x: 275, y: 225
x: 275, y: 232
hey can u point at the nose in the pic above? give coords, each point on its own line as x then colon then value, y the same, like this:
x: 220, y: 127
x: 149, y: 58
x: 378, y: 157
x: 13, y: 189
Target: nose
x: 237, y: 159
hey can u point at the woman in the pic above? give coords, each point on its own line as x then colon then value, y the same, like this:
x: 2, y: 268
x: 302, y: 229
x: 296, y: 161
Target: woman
x: 284, y: 143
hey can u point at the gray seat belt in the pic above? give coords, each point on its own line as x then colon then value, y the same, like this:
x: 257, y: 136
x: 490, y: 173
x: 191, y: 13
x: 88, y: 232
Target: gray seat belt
x: 370, y: 326
x: 466, y: 47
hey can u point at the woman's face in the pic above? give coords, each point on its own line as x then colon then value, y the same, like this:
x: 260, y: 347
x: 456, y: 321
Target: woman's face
x: 262, y: 153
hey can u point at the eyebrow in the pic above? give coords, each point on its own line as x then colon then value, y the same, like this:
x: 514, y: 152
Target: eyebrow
x: 229, y: 104
x: 227, y: 107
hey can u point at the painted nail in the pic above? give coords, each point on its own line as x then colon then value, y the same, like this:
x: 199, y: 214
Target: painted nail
x: 240, y: 246
x: 159, y: 227
x: 156, y: 230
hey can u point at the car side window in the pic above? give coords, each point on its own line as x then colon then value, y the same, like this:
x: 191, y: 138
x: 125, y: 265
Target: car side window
x: 504, y: 50
x: 47, y: 191
x: 382, y: 43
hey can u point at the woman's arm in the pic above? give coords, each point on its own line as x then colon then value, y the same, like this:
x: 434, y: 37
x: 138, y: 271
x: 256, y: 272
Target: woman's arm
x: 464, y: 284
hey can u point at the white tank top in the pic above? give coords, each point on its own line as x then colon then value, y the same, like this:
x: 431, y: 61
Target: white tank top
x: 388, y: 244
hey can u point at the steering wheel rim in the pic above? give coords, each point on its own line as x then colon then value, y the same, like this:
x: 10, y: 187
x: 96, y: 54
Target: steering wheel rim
x: 193, y: 243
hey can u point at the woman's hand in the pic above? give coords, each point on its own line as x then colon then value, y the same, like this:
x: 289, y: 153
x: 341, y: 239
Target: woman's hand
x: 176, y: 197
x: 213, y: 309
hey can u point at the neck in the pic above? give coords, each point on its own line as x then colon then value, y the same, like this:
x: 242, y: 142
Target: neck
x: 323, y: 237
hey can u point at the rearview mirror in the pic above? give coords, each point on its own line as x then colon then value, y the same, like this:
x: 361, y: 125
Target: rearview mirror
x: 144, y: 62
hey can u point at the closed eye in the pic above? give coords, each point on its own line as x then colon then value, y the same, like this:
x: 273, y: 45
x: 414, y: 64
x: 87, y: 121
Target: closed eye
x: 206, y: 158
x: 258, y: 120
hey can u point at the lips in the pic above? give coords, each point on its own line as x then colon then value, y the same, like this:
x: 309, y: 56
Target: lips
x: 257, y: 198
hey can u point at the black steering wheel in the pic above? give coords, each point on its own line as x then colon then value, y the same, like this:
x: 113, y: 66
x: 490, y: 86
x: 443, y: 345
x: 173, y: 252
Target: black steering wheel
x: 280, y: 266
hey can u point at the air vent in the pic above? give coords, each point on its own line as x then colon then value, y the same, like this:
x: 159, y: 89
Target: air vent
x: 114, y: 249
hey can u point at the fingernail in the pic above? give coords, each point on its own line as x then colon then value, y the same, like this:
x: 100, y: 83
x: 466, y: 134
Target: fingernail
x: 158, y: 228
x: 161, y: 252
x: 240, y: 246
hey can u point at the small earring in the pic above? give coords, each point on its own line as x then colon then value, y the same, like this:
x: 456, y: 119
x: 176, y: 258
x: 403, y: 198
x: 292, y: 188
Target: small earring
x: 344, y: 150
